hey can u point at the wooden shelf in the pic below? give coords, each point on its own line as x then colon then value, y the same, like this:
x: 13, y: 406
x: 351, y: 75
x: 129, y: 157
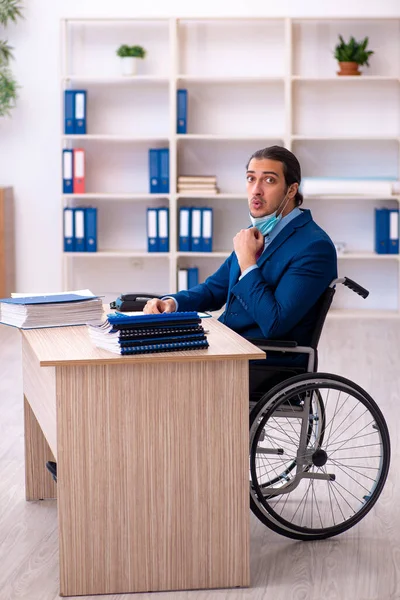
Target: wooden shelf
x: 116, y: 138
x: 110, y: 196
x: 367, y: 256
x: 116, y: 254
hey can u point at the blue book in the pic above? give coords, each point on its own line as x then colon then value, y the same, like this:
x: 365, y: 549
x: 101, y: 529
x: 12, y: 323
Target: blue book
x: 206, y: 229
x: 393, y: 242
x: 182, y: 104
x: 154, y: 171
x: 80, y: 112
x: 152, y: 230
x: 163, y: 229
x: 69, y: 237
x: 79, y: 229
x: 91, y: 229
x: 195, y: 230
x: 192, y: 277
x: 160, y: 319
x: 69, y: 111
x: 68, y: 172
x: 184, y: 228
x: 381, y: 231
x: 163, y: 161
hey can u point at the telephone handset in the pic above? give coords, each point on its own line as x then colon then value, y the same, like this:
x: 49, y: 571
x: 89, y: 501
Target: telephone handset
x: 131, y: 301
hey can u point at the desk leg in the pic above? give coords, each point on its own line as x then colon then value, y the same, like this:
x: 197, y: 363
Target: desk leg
x: 153, y: 481
x: 39, y: 484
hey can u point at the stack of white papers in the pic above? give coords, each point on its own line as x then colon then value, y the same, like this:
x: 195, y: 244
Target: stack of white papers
x: 51, y: 310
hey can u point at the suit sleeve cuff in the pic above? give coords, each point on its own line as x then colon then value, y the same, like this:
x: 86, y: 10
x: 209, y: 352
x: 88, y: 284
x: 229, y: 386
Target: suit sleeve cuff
x: 248, y: 271
x: 174, y: 299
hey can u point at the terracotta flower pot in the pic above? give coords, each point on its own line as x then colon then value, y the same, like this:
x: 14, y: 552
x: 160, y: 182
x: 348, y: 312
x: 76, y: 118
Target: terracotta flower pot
x: 348, y: 68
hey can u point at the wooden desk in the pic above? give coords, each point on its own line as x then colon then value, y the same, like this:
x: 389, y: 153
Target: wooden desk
x: 152, y: 460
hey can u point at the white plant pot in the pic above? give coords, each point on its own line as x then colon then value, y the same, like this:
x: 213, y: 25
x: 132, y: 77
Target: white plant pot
x: 129, y: 65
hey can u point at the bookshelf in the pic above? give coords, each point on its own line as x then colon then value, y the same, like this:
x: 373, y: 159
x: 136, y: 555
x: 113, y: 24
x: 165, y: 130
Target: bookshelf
x: 237, y: 103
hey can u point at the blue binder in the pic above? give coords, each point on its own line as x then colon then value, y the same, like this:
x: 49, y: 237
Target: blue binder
x: 184, y: 228
x: 206, y: 229
x: 195, y: 230
x: 163, y: 155
x: 154, y: 173
x: 68, y: 172
x: 152, y: 230
x: 69, y: 237
x: 393, y: 242
x: 193, y: 277
x: 79, y: 229
x: 163, y: 229
x: 182, y: 103
x: 80, y: 112
x: 91, y: 229
x: 69, y: 111
x: 381, y: 230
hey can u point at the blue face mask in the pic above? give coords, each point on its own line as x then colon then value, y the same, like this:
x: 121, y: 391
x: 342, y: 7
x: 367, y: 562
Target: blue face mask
x: 266, y: 224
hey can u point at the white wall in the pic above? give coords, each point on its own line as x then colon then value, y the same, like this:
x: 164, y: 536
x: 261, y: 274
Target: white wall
x: 30, y: 143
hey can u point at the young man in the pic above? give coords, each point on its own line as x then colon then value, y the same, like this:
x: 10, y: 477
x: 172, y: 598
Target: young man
x: 280, y: 267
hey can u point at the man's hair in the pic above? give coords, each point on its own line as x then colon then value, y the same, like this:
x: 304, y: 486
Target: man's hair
x: 291, y: 166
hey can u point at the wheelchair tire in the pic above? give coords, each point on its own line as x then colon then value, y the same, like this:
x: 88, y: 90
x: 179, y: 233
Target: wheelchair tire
x: 326, y: 493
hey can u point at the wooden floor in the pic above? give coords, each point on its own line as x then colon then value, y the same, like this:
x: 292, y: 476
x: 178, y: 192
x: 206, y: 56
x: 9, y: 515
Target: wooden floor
x: 362, y: 564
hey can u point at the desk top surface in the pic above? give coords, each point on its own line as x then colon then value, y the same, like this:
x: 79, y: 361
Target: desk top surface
x: 67, y: 346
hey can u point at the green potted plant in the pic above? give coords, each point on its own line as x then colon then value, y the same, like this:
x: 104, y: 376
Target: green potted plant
x: 10, y: 10
x: 352, y: 55
x: 129, y: 58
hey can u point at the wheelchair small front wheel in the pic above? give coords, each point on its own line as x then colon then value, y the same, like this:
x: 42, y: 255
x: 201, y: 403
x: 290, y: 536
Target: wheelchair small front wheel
x: 332, y: 479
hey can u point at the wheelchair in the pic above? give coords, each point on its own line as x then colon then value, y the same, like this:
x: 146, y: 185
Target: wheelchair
x: 319, y: 444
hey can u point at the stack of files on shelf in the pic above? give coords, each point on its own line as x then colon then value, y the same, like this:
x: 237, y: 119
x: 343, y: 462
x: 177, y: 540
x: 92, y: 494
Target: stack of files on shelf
x: 80, y: 229
x: 51, y: 310
x: 158, y: 229
x: 73, y: 169
x: 384, y: 187
x: 197, y: 184
x: 195, y: 229
x: 142, y: 334
x: 159, y: 170
x: 387, y: 230
x: 187, y: 278
x: 75, y: 112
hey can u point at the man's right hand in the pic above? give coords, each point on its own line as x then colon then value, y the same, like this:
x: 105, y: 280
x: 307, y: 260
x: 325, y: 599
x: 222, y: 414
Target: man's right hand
x: 159, y: 306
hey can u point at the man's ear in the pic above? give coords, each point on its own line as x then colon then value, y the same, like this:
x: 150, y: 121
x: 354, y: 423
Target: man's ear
x: 293, y: 190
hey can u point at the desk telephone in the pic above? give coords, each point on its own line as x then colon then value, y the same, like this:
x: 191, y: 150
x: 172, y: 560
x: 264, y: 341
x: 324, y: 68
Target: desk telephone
x: 131, y: 302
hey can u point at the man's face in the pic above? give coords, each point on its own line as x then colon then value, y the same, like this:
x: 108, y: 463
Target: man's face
x: 266, y: 186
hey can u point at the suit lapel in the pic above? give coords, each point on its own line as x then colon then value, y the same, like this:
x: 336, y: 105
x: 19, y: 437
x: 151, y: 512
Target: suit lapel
x: 286, y: 232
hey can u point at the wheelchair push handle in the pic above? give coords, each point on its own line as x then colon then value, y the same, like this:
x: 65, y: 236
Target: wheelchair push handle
x: 354, y: 286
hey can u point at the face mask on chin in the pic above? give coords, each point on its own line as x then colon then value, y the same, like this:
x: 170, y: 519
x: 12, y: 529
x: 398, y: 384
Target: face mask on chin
x: 266, y: 224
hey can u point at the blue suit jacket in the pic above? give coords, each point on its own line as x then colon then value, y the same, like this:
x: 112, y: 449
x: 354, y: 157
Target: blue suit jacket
x: 277, y: 300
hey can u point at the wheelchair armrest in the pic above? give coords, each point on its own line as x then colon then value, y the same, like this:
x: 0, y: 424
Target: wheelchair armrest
x: 273, y: 343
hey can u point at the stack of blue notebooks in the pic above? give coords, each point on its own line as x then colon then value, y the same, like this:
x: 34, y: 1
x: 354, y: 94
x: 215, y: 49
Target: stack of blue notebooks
x: 143, y: 334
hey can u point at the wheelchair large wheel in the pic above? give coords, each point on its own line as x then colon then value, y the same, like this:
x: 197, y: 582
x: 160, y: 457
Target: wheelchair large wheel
x: 339, y: 473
